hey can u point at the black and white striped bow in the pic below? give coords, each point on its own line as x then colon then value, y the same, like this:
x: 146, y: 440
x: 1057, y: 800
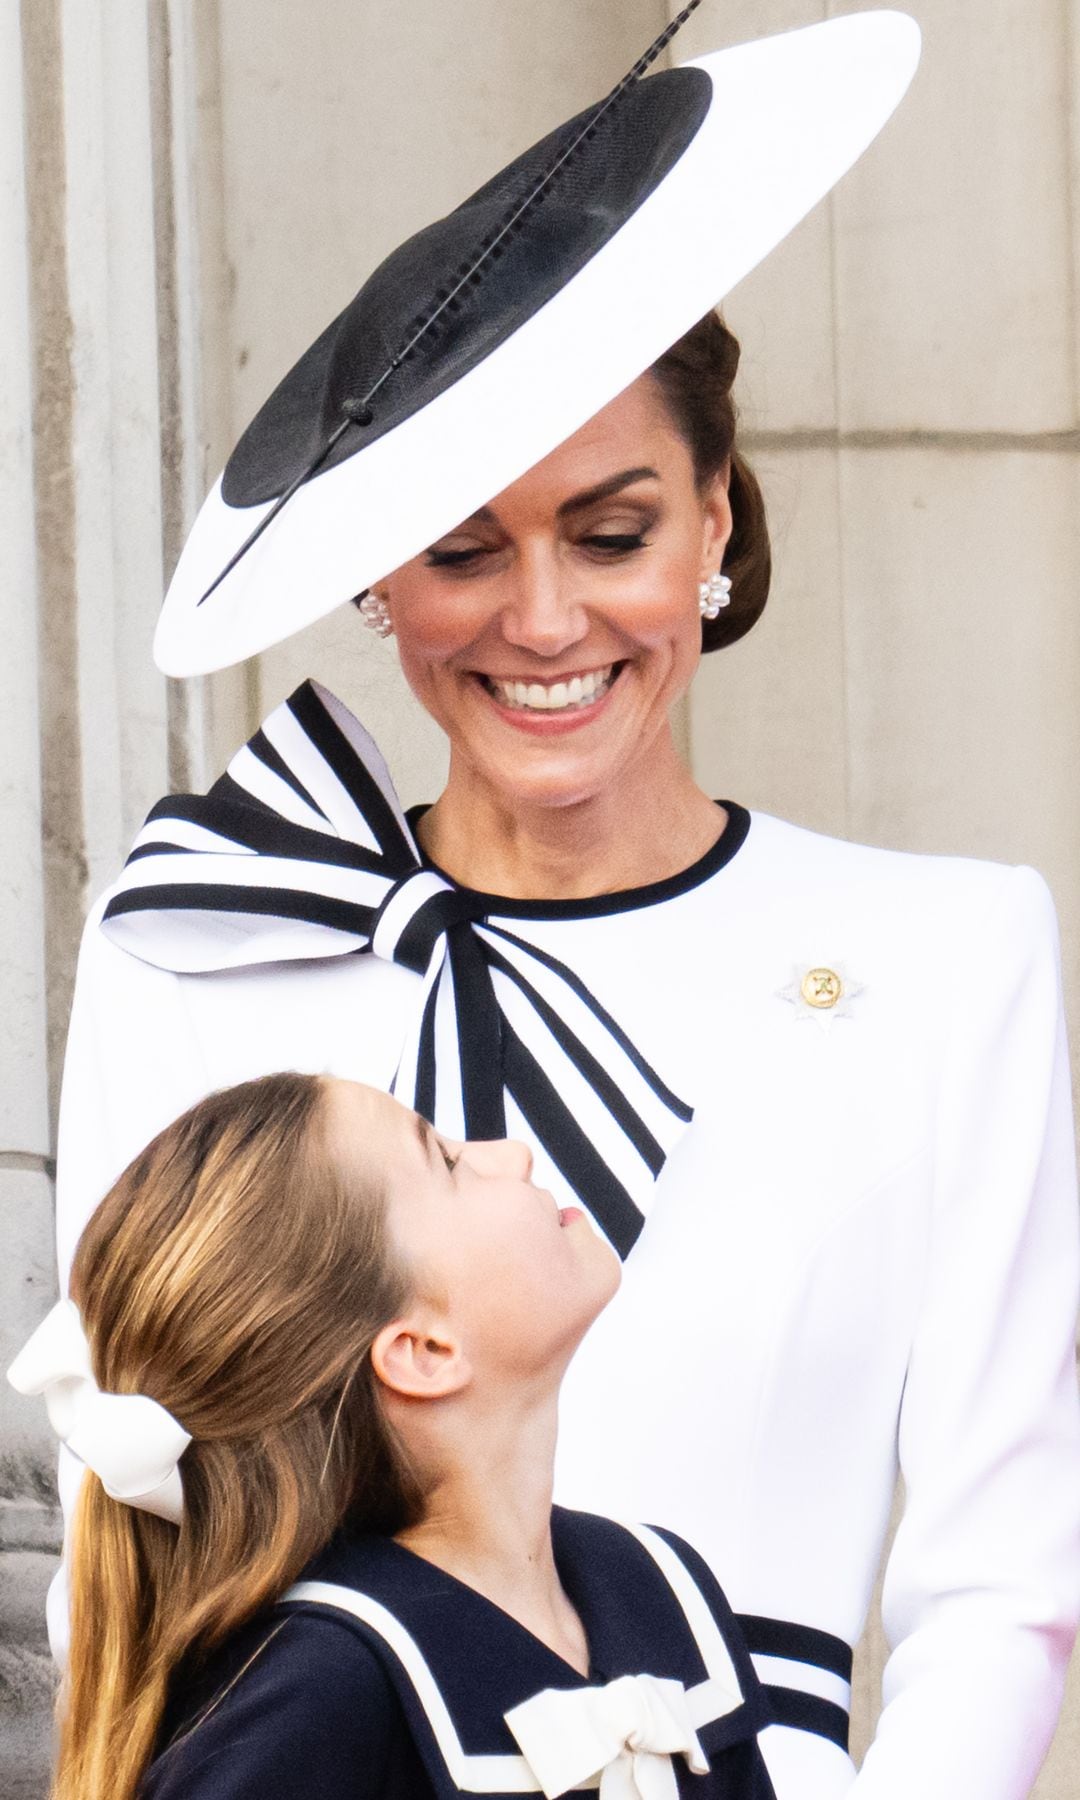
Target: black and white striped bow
x: 302, y: 850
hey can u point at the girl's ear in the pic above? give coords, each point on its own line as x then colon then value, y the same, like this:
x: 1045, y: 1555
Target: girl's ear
x: 420, y: 1359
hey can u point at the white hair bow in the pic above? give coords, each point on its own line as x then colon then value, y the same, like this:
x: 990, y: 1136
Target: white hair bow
x: 626, y: 1733
x: 130, y: 1442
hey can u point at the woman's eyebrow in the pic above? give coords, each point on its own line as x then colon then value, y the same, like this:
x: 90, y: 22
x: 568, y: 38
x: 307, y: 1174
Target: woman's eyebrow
x: 604, y: 489
x: 578, y: 502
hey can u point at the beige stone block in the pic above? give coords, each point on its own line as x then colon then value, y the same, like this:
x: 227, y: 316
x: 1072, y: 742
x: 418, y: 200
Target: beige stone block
x: 27, y: 1290
x: 1072, y: 125
x: 767, y: 717
x: 28, y: 1677
x: 785, y: 319
x: 783, y: 311
x: 939, y: 271
x: 959, y: 577
x: 953, y: 240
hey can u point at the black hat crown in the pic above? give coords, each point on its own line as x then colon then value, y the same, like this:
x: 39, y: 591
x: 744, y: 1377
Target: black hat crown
x: 381, y: 360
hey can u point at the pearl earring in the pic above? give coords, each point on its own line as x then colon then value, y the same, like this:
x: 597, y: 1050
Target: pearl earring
x: 714, y: 594
x: 376, y: 615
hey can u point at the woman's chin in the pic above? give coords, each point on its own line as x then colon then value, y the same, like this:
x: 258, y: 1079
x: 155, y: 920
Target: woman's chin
x: 552, y: 772
x: 549, y: 758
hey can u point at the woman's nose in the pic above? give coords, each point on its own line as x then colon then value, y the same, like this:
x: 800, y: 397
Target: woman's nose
x: 543, y: 614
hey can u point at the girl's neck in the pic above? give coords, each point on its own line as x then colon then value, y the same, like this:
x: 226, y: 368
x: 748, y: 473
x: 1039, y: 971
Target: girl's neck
x: 488, y: 1523
x: 486, y: 838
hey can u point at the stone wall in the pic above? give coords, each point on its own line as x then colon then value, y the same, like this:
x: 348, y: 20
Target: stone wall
x: 190, y: 188
x: 99, y: 467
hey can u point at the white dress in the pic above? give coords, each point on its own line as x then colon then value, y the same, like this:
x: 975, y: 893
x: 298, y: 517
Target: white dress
x: 861, y: 1257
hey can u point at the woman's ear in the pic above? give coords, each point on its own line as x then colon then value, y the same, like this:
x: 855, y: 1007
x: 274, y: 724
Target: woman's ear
x: 717, y: 521
x: 420, y: 1360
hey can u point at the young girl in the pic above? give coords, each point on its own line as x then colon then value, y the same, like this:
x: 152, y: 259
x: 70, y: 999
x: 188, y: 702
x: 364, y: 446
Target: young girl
x: 317, y: 1388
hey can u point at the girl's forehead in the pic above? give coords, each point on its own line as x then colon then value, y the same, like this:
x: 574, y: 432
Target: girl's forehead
x: 362, y: 1117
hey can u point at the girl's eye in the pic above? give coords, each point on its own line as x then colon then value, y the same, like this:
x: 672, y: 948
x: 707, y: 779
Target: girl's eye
x: 617, y: 543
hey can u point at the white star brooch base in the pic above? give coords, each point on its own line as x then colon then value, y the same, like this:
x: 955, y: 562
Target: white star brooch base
x: 821, y: 994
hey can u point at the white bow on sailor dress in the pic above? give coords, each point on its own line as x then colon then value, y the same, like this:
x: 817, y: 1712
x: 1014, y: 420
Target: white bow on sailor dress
x: 302, y: 850
x: 626, y: 1733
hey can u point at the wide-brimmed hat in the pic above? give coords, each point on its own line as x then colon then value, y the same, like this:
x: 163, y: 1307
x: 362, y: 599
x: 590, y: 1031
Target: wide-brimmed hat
x: 494, y: 334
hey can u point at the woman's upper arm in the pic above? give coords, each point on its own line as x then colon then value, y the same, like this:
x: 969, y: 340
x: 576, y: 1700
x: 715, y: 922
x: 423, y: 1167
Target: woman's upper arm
x: 989, y: 1426
x: 132, y: 1065
x: 983, y: 1584
x: 310, y: 1712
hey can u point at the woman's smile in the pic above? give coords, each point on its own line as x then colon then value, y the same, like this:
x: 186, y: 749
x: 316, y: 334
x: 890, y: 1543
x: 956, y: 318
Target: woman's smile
x: 550, y: 707
x: 555, y: 693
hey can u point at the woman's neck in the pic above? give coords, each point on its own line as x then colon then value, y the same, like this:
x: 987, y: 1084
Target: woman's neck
x: 501, y: 843
x: 488, y: 1521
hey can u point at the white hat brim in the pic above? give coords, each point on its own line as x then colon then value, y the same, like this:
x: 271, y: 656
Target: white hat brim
x: 788, y: 116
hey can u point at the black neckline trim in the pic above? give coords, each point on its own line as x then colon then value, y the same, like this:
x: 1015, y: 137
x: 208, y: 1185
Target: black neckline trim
x: 727, y: 846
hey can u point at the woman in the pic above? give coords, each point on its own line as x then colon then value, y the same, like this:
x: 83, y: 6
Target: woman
x: 858, y: 1255
x: 331, y: 1345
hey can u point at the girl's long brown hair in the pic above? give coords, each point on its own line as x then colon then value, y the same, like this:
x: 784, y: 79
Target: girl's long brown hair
x: 235, y: 1275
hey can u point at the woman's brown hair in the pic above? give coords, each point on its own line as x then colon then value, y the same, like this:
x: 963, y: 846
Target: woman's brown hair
x: 696, y: 377
x: 236, y: 1276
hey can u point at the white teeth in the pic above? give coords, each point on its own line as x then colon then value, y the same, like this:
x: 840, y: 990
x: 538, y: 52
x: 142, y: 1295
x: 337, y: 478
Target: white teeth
x: 580, y: 690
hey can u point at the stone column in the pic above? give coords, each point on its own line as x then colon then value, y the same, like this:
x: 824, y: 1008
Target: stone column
x: 27, y: 1520
x: 26, y: 1527
x: 100, y: 463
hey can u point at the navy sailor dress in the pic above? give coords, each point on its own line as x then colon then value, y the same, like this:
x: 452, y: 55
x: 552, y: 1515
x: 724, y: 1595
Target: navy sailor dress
x: 380, y: 1677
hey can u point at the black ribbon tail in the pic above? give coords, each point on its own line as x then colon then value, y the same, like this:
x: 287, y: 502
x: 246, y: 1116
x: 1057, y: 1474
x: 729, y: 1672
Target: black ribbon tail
x: 480, y: 1031
x: 574, y: 1155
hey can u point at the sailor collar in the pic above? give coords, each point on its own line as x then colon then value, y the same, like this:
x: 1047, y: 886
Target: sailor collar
x: 459, y: 1664
x: 301, y: 850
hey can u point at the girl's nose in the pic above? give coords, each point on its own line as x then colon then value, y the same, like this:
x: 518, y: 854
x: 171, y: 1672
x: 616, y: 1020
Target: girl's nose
x: 500, y: 1156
